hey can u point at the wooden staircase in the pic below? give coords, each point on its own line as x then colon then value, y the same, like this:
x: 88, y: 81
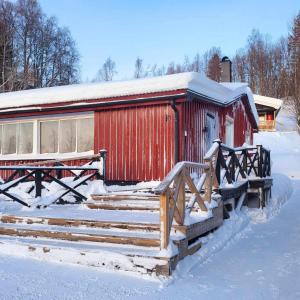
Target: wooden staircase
x: 130, y: 229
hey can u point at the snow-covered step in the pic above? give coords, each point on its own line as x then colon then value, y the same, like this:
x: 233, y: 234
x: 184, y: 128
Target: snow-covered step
x: 120, y: 197
x: 108, y: 256
x: 21, y: 231
x: 85, y: 246
x: 85, y: 230
x: 129, y: 206
x: 79, y: 223
x: 80, y: 212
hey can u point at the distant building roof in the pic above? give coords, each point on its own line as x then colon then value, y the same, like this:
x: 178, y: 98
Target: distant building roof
x: 267, y: 101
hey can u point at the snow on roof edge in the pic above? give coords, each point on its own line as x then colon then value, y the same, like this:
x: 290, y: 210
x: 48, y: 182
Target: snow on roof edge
x: 81, y: 92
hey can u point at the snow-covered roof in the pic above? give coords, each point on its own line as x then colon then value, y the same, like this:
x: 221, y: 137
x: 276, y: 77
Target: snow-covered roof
x: 267, y: 101
x: 79, y: 92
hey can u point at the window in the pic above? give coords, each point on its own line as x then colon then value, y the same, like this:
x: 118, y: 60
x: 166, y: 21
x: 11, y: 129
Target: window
x: 9, y: 138
x: 67, y: 135
x: 85, y: 135
x: 49, y: 137
x: 229, y: 133
x: 211, y: 132
x: 25, y: 138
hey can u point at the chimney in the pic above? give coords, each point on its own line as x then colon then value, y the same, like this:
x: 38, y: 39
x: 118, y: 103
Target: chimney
x: 225, y: 69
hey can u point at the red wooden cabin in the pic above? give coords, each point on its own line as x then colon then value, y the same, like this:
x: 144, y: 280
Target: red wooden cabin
x: 146, y: 125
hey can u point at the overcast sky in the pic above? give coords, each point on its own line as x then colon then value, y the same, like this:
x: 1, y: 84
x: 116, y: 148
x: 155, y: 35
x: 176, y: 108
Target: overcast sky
x: 164, y: 31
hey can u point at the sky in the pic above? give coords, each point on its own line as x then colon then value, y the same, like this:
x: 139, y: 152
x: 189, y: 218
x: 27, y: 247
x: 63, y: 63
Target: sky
x: 164, y: 31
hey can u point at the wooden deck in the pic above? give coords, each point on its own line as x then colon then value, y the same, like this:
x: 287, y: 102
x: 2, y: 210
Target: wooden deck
x: 149, y: 231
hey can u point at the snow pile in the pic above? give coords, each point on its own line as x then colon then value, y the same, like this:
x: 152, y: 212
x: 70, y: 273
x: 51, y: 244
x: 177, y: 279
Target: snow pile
x: 234, y: 228
x: 286, y: 119
x: 285, y: 151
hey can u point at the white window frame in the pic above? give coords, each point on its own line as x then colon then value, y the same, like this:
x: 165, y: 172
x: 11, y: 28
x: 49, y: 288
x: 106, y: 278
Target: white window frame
x: 37, y: 134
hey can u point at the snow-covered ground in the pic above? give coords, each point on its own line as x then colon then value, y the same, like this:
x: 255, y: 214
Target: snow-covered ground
x: 255, y: 255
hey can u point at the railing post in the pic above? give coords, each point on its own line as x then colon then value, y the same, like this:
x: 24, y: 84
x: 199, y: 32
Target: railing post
x: 58, y: 172
x: 164, y: 221
x: 244, y: 153
x: 38, y: 183
x: 269, y: 163
x: 208, y: 181
x: 218, y: 164
x: 180, y: 201
x: 103, y: 155
x: 233, y: 165
x: 259, y: 160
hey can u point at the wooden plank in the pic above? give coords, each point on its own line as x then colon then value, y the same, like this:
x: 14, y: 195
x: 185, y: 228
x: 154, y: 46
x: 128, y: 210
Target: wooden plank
x: 124, y: 197
x: 164, y: 221
x: 194, y: 190
x: 120, y: 207
x: 80, y: 237
x: 78, y: 223
x: 174, y: 172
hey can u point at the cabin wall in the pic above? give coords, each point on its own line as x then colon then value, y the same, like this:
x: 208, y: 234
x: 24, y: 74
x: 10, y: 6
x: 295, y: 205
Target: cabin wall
x: 139, y: 138
x: 193, y: 129
x: 139, y: 141
x: 242, y: 124
x: 193, y: 147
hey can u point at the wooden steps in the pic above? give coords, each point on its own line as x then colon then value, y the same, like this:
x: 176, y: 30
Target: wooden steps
x: 101, y: 231
x: 146, y: 242
x: 78, y: 223
x: 121, y: 207
x: 120, y: 197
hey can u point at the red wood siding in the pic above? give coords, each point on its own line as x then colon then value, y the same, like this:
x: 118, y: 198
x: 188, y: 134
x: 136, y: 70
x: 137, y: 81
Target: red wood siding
x: 139, y: 138
x: 193, y: 122
x: 242, y: 124
x: 139, y: 141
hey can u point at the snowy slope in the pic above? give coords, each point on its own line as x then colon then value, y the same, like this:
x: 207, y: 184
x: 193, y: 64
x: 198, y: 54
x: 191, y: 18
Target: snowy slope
x: 255, y: 255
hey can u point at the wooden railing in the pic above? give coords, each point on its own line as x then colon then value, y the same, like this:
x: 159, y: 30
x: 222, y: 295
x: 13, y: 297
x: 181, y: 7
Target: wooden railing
x: 234, y: 164
x: 172, y: 192
x: 222, y: 164
x: 267, y: 125
x: 40, y: 172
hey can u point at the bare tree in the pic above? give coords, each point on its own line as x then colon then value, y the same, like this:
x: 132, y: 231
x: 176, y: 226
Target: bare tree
x: 107, y: 71
x: 34, y: 50
x: 139, y: 70
x: 214, y: 68
x: 294, y: 62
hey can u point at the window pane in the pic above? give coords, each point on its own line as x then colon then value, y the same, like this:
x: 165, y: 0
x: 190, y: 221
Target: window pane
x: 9, y: 138
x: 25, y: 138
x: 49, y: 137
x: 85, y: 134
x: 67, y: 136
